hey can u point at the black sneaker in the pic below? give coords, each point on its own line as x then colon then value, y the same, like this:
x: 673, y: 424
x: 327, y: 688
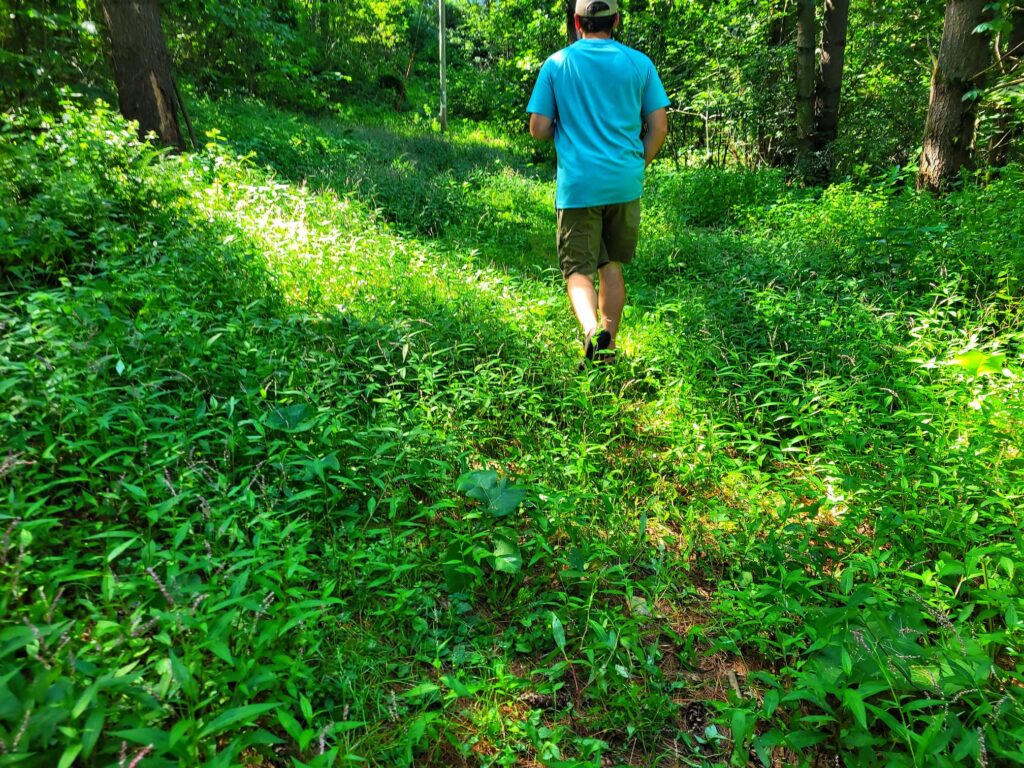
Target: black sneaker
x: 594, y: 349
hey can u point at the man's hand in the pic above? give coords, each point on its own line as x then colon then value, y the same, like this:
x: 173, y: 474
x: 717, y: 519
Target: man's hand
x: 657, y: 130
x: 542, y: 127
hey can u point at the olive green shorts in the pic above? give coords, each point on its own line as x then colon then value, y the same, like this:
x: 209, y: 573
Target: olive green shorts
x: 588, y: 238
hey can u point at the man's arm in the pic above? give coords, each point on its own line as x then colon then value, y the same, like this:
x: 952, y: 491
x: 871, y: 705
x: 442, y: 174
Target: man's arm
x: 657, y: 130
x: 542, y: 127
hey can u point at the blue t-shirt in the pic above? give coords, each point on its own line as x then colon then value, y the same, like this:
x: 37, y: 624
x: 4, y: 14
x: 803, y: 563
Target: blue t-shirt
x: 598, y: 91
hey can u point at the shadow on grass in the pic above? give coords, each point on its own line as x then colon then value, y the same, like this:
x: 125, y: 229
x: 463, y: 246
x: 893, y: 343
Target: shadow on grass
x: 749, y: 329
x: 460, y: 192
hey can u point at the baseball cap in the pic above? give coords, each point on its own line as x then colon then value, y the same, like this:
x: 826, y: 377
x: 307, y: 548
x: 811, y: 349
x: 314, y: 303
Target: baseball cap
x: 589, y: 8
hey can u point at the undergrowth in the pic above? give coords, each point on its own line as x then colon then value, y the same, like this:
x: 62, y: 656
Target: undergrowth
x: 297, y: 469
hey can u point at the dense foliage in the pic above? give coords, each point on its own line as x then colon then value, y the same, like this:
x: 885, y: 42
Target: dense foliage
x: 297, y: 468
x: 728, y: 66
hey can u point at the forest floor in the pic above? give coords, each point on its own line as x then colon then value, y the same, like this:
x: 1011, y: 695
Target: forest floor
x: 299, y: 468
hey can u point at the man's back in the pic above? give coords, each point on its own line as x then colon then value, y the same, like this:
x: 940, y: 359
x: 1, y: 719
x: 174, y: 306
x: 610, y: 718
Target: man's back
x: 597, y: 91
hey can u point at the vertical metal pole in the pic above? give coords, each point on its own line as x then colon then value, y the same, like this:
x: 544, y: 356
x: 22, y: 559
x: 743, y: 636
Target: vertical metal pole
x: 441, y: 41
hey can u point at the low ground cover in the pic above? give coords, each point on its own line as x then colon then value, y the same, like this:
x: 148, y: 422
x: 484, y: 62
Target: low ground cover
x: 297, y: 468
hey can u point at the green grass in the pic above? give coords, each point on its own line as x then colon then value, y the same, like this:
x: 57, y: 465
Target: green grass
x: 298, y: 470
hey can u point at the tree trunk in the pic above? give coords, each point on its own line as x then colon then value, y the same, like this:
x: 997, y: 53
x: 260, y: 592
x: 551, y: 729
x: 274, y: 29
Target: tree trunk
x: 830, y: 74
x: 142, y: 68
x: 805, y: 40
x: 1005, y: 133
x: 950, y: 126
x: 442, y: 44
x: 570, y: 21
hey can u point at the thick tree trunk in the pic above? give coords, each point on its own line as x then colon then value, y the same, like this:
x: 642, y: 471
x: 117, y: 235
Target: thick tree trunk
x: 950, y: 126
x: 570, y: 21
x: 142, y: 68
x: 805, y: 41
x: 830, y: 74
x: 1006, y: 132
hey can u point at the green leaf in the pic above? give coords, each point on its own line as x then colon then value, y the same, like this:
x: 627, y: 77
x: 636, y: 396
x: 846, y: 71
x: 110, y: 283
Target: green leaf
x: 558, y: 631
x: 154, y: 736
x: 235, y: 715
x: 291, y: 418
x: 85, y: 699
x: 507, y: 557
x: 112, y: 555
x: 764, y: 744
x: 290, y: 724
x: 740, y: 726
x: 418, y: 728
x: 803, y: 739
x: 260, y: 736
x: 224, y: 758
x: 347, y: 725
x: 179, y: 730
x: 457, y: 571
x: 135, y: 491
x: 220, y: 649
x: 91, y: 732
x: 1007, y: 565
x: 422, y: 690
x: 969, y: 746
x: 771, y: 701
x: 975, y: 362
x: 69, y: 756
x: 457, y: 687
x: 183, y: 677
x: 498, y: 496
x: 855, y: 704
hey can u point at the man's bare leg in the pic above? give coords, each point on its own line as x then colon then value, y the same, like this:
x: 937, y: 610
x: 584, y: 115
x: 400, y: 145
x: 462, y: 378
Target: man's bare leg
x: 612, y: 298
x: 583, y: 299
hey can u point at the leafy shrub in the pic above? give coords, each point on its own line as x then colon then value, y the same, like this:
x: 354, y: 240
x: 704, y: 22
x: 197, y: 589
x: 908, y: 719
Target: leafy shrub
x: 80, y: 163
x: 710, y: 197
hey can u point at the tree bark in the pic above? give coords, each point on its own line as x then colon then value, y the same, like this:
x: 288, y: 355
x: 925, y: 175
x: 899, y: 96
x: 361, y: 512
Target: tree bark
x: 805, y: 41
x: 950, y: 126
x: 1006, y: 132
x: 142, y: 68
x: 570, y: 21
x: 442, y: 44
x: 830, y: 74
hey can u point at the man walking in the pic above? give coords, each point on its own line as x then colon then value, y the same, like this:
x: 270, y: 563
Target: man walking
x: 593, y: 98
